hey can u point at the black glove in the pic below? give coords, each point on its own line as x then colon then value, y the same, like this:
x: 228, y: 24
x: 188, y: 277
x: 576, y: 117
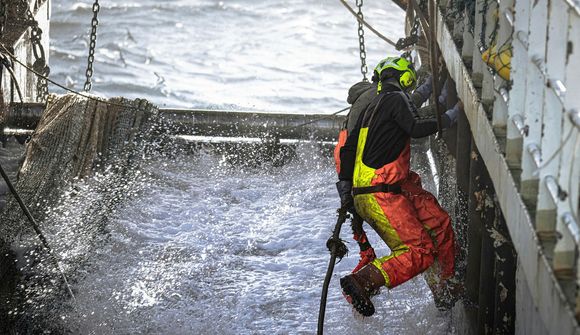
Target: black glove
x: 344, y: 188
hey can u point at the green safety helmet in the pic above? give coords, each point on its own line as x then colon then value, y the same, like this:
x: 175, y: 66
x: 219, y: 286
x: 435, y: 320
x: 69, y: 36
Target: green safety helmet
x: 391, y: 67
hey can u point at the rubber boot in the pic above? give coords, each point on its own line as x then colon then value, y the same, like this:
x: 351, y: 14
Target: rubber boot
x: 366, y: 257
x: 358, y: 287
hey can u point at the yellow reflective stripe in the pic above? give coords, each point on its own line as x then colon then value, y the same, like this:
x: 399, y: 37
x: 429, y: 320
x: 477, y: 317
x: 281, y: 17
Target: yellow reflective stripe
x: 377, y: 263
x: 363, y: 175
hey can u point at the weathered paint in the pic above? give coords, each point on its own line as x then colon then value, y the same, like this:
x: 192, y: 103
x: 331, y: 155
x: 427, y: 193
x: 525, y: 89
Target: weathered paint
x: 545, y: 297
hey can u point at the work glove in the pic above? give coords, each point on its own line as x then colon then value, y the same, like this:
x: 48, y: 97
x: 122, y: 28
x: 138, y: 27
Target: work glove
x: 450, y: 117
x: 443, y: 94
x: 344, y: 188
x: 426, y: 88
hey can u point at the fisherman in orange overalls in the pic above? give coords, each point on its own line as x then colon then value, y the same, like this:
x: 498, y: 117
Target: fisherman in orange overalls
x: 376, y: 183
x: 359, y: 97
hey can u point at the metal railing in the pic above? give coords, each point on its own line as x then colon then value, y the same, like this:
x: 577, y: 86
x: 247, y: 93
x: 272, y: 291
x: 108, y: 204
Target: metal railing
x: 543, y: 115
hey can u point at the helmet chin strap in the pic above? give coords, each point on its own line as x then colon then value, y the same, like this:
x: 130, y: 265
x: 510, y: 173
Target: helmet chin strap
x: 389, y: 81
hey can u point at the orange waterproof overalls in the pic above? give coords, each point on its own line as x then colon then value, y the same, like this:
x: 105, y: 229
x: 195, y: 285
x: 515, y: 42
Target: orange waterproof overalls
x: 411, y: 222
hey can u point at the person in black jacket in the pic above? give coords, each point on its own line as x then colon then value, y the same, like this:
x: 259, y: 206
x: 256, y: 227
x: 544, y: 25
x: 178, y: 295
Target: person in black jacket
x: 360, y: 96
x: 375, y: 181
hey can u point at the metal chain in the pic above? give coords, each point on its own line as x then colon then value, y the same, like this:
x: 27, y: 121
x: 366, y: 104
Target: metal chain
x: 92, y: 46
x: 39, y: 64
x: 412, y: 39
x: 3, y: 17
x: 483, y: 12
x: 361, y: 42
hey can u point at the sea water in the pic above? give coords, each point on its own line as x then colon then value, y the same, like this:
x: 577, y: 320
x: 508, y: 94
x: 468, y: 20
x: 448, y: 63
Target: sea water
x: 200, y: 246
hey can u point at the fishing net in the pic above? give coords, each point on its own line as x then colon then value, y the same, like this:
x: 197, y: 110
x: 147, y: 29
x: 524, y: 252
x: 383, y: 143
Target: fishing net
x: 76, y: 138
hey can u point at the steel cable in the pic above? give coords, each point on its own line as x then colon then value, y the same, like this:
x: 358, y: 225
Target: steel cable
x: 555, y: 153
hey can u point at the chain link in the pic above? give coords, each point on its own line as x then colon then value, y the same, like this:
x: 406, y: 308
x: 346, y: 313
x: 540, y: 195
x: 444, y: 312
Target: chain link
x: 39, y: 64
x: 483, y: 12
x: 413, y: 38
x: 92, y: 46
x: 361, y: 42
x: 3, y: 17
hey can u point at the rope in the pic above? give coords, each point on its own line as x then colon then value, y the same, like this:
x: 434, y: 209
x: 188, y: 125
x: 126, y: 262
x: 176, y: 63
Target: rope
x: 549, y: 160
x: 320, y: 118
x: 361, y: 20
x: 36, y: 228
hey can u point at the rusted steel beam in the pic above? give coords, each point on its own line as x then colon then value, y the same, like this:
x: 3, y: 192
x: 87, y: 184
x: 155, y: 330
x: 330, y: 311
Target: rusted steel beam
x: 474, y: 235
x: 486, y: 210
x: 462, y: 155
x: 505, y: 277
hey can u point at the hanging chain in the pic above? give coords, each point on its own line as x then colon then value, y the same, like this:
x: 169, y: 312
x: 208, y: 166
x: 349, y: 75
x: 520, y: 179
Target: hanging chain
x: 482, y: 38
x: 92, y: 45
x: 39, y: 64
x: 361, y: 42
x: 3, y: 17
x: 412, y: 39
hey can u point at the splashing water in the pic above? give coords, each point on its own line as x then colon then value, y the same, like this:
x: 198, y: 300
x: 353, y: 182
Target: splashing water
x: 194, y: 245
x: 202, y: 247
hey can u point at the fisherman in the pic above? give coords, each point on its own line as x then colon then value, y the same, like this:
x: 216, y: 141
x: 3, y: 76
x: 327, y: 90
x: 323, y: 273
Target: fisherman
x: 359, y: 97
x: 375, y: 181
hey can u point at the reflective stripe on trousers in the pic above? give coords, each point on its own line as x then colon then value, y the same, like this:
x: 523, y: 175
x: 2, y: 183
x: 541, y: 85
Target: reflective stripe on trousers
x: 404, y: 221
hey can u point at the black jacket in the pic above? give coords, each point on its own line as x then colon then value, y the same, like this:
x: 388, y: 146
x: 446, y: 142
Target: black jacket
x: 391, y: 119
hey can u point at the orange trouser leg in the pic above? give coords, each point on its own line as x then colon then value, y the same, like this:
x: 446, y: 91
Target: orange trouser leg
x: 436, y: 220
x: 394, y: 219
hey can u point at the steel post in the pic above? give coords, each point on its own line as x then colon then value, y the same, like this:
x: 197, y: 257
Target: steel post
x: 519, y: 63
x: 546, y: 212
x: 534, y: 107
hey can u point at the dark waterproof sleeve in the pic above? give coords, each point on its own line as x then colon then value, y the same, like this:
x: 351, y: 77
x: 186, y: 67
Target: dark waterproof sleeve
x: 348, y: 151
x: 405, y: 118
